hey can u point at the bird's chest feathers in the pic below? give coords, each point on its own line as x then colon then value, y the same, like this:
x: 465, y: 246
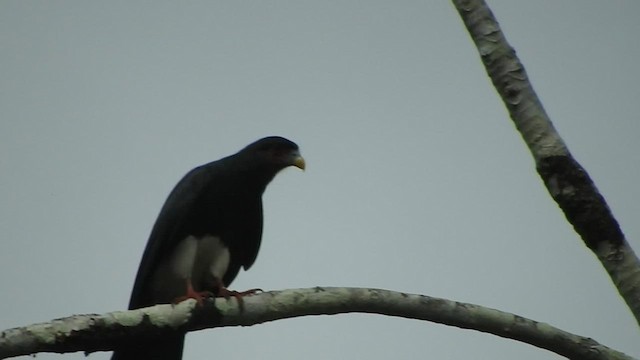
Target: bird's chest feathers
x: 229, y: 213
x: 197, y: 257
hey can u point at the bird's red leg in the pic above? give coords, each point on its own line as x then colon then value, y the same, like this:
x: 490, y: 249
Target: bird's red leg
x: 192, y: 294
x: 222, y: 291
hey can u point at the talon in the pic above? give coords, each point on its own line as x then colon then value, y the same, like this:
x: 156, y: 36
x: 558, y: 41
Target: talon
x: 199, y: 296
x: 251, y: 292
x: 222, y: 291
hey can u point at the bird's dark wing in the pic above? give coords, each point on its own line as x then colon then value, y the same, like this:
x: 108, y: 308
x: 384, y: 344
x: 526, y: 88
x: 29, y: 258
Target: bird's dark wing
x: 166, y: 231
x: 243, y: 235
x: 249, y: 251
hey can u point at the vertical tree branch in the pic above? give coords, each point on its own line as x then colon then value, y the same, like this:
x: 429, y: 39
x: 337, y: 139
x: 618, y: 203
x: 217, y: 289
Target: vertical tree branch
x: 567, y: 181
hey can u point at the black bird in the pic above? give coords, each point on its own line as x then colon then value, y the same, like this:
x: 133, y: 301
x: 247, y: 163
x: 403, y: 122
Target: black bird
x: 209, y: 227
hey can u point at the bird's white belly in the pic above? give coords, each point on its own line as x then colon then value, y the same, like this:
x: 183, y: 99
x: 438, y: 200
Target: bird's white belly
x: 194, y: 257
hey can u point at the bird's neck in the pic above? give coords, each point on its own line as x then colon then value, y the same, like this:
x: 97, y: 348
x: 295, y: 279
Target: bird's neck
x: 256, y: 180
x: 252, y: 174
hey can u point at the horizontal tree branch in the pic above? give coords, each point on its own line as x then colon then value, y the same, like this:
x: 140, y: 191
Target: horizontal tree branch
x: 95, y: 332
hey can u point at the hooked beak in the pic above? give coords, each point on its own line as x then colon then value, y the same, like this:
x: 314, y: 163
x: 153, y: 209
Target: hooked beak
x: 298, y: 160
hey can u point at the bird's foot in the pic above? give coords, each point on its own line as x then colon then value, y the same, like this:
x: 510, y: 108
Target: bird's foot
x: 227, y: 294
x: 199, y: 296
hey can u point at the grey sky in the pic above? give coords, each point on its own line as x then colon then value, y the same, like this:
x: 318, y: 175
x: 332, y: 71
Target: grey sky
x: 416, y: 179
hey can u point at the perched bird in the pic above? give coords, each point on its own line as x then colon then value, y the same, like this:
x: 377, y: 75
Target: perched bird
x: 209, y: 227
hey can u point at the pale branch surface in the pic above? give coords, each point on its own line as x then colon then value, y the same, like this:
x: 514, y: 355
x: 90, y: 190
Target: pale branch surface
x: 567, y: 182
x: 94, y: 332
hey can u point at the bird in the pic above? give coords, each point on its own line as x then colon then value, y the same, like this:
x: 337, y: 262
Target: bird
x: 209, y: 227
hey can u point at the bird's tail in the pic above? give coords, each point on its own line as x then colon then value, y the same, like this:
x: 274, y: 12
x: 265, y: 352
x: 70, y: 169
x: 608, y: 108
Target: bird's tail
x: 161, y: 348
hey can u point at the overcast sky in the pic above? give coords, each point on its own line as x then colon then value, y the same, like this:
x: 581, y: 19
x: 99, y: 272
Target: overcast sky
x: 416, y: 180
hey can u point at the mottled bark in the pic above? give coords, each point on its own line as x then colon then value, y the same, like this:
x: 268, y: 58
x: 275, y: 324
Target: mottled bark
x: 91, y: 333
x: 567, y: 182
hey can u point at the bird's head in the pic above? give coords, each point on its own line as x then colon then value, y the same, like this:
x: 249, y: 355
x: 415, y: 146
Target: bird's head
x: 275, y: 153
